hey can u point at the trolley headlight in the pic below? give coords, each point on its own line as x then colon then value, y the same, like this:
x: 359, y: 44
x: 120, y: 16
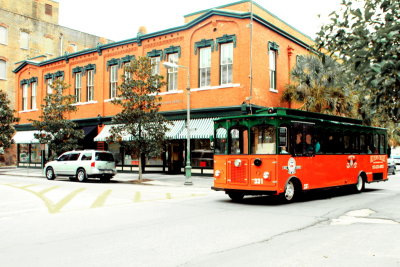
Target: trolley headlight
x: 266, y: 175
x: 237, y: 162
x: 217, y: 173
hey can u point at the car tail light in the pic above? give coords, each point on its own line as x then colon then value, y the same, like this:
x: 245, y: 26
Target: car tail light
x: 93, y: 164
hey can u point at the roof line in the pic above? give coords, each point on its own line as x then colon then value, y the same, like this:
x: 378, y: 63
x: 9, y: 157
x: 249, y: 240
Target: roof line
x: 139, y: 39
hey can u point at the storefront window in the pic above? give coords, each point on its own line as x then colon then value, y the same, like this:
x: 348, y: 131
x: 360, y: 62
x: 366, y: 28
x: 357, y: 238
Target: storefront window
x: 23, y: 152
x: 202, y: 155
x: 35, y: 153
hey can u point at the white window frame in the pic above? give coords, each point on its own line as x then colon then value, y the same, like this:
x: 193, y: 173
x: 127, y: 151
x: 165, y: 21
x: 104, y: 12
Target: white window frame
x: 24, y: 40
x: 272, y: 70
x: 33, y: 95
x: 3, y: 35
x: 49, y: 83
x: 90, y: 85
x: 205, y: 67
x: 3, y: 69
x: 127, y: 74
x: 226, y: 63
x: 113, y: 81
x: 25, y: 96
x: 172, y: 73
x: 78, y: 87
x: 155, y: 65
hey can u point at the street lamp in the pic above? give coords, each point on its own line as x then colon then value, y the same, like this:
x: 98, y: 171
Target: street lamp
x: 188, y: 167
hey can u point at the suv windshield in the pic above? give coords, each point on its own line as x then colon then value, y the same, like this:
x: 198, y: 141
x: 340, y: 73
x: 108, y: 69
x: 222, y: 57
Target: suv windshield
x: 104, y: 156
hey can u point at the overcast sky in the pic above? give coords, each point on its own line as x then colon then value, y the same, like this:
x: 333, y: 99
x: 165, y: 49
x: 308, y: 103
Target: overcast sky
x: 120, y: 19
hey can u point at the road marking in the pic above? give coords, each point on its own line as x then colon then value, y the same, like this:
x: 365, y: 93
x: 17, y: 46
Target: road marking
x: 99, y: 202
x: 48, y: 189
x: 51, y: 206
x: 29, y: 185
x: 138, y: 197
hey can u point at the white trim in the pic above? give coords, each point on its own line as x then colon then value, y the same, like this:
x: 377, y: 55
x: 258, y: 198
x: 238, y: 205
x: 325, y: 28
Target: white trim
x: 29, y: 110
x: 223, y: 86
x: 170, y: 92
x: 273, y: 90
x: 84, y: 103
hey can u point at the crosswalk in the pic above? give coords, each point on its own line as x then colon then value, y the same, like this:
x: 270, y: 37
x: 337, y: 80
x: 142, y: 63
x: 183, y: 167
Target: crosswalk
x: 72, y: 196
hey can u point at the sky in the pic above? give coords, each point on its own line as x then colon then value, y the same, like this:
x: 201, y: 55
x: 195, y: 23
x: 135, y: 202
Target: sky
x: 120, y: 19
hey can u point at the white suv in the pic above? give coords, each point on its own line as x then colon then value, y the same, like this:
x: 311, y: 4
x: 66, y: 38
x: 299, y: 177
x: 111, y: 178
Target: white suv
x: 82, y: 165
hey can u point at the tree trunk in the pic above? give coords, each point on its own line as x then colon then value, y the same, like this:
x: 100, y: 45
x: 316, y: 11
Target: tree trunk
x: 140, y: 169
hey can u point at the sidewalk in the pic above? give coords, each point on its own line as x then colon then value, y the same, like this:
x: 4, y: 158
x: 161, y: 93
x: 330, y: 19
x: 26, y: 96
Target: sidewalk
x: 159, y: 179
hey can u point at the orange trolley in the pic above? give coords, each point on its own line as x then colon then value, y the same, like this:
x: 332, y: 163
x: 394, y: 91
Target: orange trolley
x: 280, y: 151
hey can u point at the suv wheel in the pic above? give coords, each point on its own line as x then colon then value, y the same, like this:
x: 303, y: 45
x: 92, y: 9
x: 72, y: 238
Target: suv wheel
x: 50, y: 173
x: 81, y: 175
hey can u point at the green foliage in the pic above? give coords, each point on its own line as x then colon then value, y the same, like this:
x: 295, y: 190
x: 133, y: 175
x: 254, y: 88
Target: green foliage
x: 365, y: 35
x: 318, y: 84
x: 139, y: 118
x: 7, y: 119
x: 55, y: 129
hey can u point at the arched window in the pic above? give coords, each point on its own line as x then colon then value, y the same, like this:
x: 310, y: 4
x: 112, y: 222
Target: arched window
x: 3, y: 35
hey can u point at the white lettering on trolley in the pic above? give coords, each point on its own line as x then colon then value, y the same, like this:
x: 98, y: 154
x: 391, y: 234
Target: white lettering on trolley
x: 374, y: 167
x: 258, y: 181
x: 380, y: 158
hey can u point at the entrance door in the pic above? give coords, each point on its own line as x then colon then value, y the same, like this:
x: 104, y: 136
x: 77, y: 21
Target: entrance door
x: 305, y: 162
x: 175, y: 157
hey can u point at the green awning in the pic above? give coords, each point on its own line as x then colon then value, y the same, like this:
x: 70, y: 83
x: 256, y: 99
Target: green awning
x: 172, y: 132
x: 199, y: 129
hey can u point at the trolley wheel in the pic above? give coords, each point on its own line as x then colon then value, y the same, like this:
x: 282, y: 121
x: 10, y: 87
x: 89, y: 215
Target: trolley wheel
x: 292, y: 192
x: 360, y: 185
x: 236, y: 196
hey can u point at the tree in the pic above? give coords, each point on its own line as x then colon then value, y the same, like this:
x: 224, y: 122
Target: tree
x: 365, y: 36
x: 319, y: 86
x: 7, y: 119
x: 140, y: 127
x: 55, y: 129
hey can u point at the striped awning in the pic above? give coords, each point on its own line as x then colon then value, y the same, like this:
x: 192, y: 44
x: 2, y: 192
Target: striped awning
x: 104, y: 134
x: 172, y: 132
x: 26, y: 137
x: 174, y: 129
x: 199, y: 129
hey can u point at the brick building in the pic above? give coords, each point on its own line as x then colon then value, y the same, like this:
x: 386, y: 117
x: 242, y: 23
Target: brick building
x: 219, y: 48
x: 29, y: 29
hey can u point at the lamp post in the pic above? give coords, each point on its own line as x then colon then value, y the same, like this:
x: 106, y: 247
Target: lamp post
x: 188, y: 167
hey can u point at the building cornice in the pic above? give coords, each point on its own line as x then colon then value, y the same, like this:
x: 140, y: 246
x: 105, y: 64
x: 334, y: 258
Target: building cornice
x: 140, y: 39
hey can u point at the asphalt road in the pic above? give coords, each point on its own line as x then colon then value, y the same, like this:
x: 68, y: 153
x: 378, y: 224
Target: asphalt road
x: 63, y: 223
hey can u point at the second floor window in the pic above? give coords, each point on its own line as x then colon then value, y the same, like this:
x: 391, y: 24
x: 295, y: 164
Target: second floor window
x: 3, y: 35
x: 113, y: 81
x: 33, y: 95
x: 3, y: 69
x: 205, y: 67
x: 226, y: 67
x: 272, y: 69
x: 24, y: 40
x: 25, y: 96
x: 127, y: 74
x: 173, y: 72
x: 90, y: 85
x: 49, y: 83
x: 78, y: 86
x: 155, y: 65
